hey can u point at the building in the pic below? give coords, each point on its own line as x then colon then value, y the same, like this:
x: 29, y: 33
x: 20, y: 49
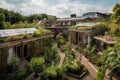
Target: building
x: 16, y: 44
x: 94, y: 16
x: 90, y: 16
x: 63, y: 24
x: 68, y: 22
x: 83, y: 33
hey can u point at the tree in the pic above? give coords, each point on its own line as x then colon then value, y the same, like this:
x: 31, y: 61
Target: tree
x: 115, y: 7
x: 44, y: 16
x: 115, y: 17
x: 2, y: 20
x: 52, y: 18
x: 112, y: 59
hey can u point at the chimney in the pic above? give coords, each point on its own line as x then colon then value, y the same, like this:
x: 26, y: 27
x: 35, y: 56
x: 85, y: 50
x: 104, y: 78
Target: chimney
x: 73, y: 15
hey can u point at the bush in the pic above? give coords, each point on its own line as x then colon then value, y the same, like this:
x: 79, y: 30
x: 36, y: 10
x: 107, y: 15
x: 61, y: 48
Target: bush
x: 51, y: 54
x: 50, y: 73
x: 100, y: 74
x: 60, y: 39
x: 23, y: 25
x: 26, y: 35
x: 14, y: 38
x: 15, y: 61
x: 20, y: 74
x: 40, y: 32
x: 37, y: 33
x: 2, y: 40
x: 117, y: 32
x: 37, y: 64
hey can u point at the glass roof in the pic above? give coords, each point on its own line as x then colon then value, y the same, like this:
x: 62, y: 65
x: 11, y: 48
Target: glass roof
x: 13, y: 32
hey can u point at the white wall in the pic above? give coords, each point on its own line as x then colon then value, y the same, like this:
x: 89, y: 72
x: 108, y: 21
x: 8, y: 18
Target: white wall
x: 10, y: 54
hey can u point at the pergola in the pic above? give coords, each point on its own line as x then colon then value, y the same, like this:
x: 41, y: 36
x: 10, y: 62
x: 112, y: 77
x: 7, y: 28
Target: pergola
x: 105, y: 41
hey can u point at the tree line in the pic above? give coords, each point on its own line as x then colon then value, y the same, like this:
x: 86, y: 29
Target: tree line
x: 8, y: 17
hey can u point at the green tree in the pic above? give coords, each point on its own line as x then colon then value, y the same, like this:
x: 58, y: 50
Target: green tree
x: 44, y: 16
x: 52, y: 18
x: 115, y: 7
x: 2, y: 21
x: 112, y: 59
x: 115, y: 17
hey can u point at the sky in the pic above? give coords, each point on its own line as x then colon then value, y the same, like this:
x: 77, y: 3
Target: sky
x: 59, y: 8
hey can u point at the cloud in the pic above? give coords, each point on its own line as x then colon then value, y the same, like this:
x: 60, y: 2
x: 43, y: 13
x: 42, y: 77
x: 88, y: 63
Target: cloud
x: 65, y: 9
x: 4, y: 4
x: 60, y: 8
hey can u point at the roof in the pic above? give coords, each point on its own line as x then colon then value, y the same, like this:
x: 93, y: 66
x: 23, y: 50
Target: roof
x: 70, y: 18
x: 105, y: 39
x: 86, y: 24
x: 93, y: 13
x: 14, y: 32
x: 81, y: 31
x: 60, y: 27
x: 13, y: 43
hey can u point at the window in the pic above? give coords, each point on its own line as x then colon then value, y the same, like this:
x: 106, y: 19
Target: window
x: 25, y: 51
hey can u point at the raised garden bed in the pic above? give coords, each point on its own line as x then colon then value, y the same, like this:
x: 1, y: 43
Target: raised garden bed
x: 78, y: 75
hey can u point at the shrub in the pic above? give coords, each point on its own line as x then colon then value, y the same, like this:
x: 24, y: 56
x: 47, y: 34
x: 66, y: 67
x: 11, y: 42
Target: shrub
x: 2, y: 40
x: 37, y: 33
x: 15, y: 60
x: 100, y: 74
x: 50, y: 73
x: 23, y: 25
x: 117, y: 32
x: 13, y: 38
x: 37, y: 64
x: 26, y: 35
x: 20, y: 74
x: 51, y: 54
x: 74, y: 27
x: 60, y: 39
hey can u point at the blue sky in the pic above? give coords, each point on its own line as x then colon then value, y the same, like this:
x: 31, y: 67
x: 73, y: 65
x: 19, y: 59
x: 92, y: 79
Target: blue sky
x: 60, y: 8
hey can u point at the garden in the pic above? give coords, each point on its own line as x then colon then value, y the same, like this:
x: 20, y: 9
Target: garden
x: 41, y: 32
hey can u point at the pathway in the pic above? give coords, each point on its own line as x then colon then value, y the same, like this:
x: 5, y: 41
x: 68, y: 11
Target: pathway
x: 90, y: 67
x: 62, y: 56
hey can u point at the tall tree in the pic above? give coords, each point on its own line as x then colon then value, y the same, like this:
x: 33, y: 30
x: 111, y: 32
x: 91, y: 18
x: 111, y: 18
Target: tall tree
x: 112, y: 60
x: 2, y: 21
x: 115, y: 17
x: 115, y: 7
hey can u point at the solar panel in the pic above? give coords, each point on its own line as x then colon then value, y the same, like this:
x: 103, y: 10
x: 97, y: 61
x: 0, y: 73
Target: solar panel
x: 13, y: 32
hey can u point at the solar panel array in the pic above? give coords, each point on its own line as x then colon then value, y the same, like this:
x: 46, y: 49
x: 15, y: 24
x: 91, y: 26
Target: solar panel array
x: 15, y: 32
